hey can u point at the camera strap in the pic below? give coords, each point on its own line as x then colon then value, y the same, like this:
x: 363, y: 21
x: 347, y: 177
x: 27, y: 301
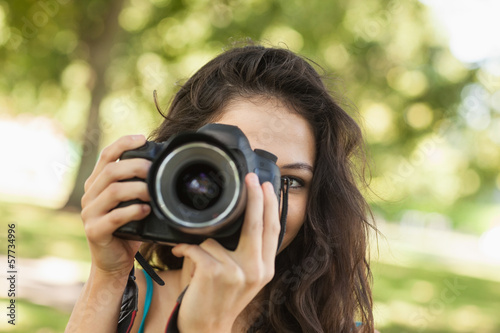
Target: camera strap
x: 285, y: 182
x: 130, y: 298
x: 147, y: 267
x: 129, y: 306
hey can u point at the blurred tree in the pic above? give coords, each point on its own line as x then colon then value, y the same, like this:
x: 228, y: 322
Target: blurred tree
x: 98, y: 32
x: 406, y: 84
x: 74, y: 42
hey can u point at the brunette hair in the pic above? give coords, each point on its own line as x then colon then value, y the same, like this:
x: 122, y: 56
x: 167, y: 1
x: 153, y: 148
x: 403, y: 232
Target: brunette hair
x: 322, y: 279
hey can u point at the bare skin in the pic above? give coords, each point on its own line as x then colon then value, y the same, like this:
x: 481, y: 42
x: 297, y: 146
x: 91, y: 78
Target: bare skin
x: 221, y: 283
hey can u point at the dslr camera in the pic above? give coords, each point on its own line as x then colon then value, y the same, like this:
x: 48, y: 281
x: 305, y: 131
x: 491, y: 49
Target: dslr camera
x: 196, y: 184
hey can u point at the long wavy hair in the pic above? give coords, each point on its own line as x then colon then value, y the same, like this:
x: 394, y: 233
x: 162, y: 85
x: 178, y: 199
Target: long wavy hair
x: 322, y: 279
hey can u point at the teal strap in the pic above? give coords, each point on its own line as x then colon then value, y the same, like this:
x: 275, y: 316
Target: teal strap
x: 147, y: 301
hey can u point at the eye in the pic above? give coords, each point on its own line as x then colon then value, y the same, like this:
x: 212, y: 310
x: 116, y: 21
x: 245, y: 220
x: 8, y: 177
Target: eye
x: 295, y: 182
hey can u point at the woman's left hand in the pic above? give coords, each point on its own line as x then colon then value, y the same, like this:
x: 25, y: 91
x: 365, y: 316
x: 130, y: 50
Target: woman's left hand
x: 224, y: 282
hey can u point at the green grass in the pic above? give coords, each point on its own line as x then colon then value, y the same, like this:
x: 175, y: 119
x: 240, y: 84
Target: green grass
x: 466, y: 216
x: 46, y: 232
x: 33, y: 318
x: 407, y: 299
x: 415, y: 299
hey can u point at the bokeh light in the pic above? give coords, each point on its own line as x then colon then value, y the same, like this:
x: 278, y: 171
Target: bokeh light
x: 419, y: 115
x: 490, y: 243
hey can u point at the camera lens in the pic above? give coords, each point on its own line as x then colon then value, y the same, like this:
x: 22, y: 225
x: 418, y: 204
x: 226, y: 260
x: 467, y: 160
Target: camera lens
x: 199, y: 187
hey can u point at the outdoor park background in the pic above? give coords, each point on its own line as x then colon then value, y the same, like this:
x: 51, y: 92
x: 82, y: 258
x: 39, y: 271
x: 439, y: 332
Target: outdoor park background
x: 424, y: 77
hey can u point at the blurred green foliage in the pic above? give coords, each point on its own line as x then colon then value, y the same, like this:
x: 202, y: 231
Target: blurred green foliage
x: 36, y: 319
x: 430, y: 121
x: 421, y: 300
x: 414, y: 99
x: 47, y: 232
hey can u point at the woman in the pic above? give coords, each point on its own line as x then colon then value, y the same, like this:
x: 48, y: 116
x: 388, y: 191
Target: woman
x: 319, y: 280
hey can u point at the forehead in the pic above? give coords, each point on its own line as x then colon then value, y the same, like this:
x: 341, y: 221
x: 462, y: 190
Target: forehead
x: 272, y: 126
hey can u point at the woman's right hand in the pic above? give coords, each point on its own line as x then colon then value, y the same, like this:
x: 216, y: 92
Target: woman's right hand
x: 103, y: 192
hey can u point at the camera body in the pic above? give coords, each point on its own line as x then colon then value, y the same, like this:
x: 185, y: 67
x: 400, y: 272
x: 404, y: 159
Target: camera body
x: 196, y: 184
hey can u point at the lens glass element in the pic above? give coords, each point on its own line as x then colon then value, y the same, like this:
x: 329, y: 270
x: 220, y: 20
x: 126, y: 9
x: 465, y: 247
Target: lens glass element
x: 198, y: 186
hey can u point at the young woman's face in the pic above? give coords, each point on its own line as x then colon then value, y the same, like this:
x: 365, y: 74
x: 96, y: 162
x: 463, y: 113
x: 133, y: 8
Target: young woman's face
x: 270, y: 125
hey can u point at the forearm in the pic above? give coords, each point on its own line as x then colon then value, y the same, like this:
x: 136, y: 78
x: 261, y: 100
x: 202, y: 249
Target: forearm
x: 98, y: 306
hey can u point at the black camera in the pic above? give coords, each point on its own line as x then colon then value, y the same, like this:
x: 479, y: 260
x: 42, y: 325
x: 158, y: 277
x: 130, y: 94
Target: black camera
x: 196, y: 184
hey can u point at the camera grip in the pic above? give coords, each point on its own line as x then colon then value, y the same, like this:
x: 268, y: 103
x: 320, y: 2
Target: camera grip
x: 147, y: 151
x: 132, y: 229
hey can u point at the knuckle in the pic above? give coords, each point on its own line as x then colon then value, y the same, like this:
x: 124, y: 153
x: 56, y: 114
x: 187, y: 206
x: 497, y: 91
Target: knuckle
x: 138, y: 212
x: 208, y: 243
x: 252, y: 280
x: 239, y: 277
x: 234, y: 275
x: 255, y: 277
x: 113, y: 190
x: 83, y: 202
x: 84, y: 214
x: 144, y: 166
x: 108, y: 170
x: 114, y: 217
x: 125, y: 142
x: 268, y: 275
x: 106, y: 153
x: 90, y: 231
x: 275, y: 227
x: 189, y: 249
x: 87, y: 184
x: 210, y: 269
x: 144, y: 193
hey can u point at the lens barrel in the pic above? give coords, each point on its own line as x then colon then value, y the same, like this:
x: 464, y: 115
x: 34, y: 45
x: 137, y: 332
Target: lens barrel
x: 199, y: 188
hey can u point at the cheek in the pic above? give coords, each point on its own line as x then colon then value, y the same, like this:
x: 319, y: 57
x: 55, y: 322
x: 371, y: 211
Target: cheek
x: 294, y: 220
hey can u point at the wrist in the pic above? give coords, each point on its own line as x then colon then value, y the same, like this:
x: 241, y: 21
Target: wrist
x: 111, y: 273
x: 114, y: 281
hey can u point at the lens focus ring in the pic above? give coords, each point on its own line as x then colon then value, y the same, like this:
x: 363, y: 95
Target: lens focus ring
x: 198, y: 188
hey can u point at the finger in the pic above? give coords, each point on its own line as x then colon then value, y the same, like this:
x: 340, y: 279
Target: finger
x: 271, y: 225
x: 201, y: 259
x: 112, y: 172
x: 101, y: 229
x: 251, y: 232
x: 113, y: 152
x: 216, y: 250
x: 115, y: 194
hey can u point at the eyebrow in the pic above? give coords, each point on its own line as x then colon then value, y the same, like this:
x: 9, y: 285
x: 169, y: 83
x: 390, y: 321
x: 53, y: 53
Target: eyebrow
x: 299, y: 166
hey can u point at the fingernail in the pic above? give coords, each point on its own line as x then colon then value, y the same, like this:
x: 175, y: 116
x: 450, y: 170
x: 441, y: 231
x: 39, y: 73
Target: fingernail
x: 137, y: 137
